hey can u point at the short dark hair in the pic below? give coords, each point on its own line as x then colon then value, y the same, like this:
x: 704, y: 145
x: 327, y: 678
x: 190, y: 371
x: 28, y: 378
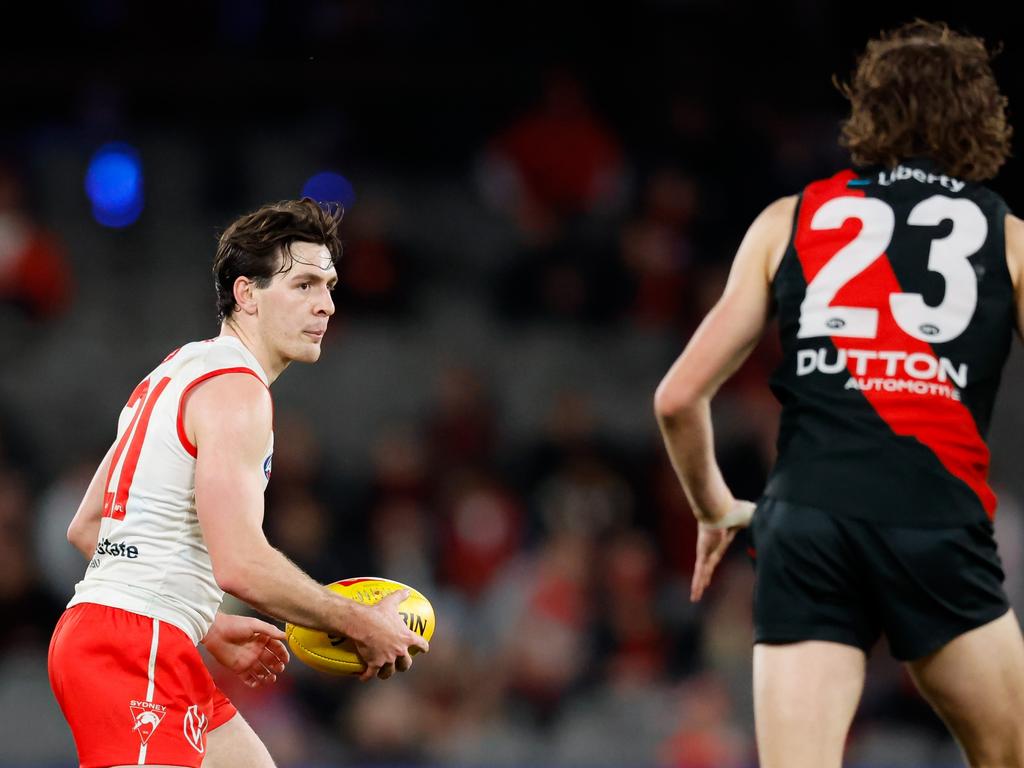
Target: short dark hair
x: 258, y: 244
x: 925, y: 90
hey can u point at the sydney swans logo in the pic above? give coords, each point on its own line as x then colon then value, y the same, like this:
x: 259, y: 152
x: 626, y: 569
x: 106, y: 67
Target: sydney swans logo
x: 195, y: 727
x: 147, y: 717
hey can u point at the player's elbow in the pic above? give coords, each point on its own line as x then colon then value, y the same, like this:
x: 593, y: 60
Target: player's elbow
x: 672, y: 399
x: 236, y: 574
x: 80, y: 537
x: 230, y: 577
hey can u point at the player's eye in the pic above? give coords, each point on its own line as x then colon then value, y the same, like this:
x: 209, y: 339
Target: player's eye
x: 303, y: 286
x: 331, y: 287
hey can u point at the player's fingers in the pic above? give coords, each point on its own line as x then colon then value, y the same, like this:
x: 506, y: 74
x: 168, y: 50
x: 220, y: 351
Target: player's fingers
x: 273, y: 664
x: 707, y: 571
x: 386, y: 671
x: 715, y: 559
x: 370, y: 672
x: 262, y: 679
x: 727, y: 540
x: 259, y: 627
x: 719, y: 550
x: 699, y: 580
x: 695, y: 583
x: 266, y: 628
x: 402, y: 663
x: 395, y: 598
x: 419, y: 643
x: 277, y: 650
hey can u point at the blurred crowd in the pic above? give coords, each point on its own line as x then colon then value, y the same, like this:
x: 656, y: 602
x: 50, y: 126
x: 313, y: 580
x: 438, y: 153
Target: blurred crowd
x: 539, y: 515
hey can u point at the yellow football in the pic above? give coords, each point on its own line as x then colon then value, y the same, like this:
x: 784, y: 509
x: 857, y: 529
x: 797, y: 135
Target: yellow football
x: 337, y: 655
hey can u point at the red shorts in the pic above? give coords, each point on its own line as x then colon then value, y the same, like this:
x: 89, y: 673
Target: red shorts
x: 134, y: 690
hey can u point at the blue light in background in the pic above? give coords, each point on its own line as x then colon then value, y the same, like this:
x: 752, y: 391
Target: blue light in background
x: 330, y: 187
x: 114, y: 185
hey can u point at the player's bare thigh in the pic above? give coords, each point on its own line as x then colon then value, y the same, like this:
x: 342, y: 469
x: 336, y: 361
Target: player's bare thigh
x: 236, y: 745
x: 805, y: 696
x: 976, y: 684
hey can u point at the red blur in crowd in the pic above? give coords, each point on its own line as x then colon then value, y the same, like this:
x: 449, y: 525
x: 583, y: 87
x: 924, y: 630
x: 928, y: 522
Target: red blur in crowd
x: 34, y: 272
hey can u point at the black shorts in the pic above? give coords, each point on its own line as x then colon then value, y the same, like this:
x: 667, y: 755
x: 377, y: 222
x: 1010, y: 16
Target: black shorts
x: 829, y: 576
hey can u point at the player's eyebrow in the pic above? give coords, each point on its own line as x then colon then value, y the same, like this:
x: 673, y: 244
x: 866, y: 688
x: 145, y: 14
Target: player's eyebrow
x: 313, y: 277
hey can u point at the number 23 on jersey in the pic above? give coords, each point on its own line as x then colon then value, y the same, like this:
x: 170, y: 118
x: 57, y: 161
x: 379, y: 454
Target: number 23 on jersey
x: 948, y: 256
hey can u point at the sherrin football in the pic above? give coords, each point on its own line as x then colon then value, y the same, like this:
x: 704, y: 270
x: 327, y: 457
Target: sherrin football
x: 337, y: 655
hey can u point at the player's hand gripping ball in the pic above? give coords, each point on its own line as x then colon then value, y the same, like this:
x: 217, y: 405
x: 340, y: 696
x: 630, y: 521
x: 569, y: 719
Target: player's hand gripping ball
x: 337, y: 655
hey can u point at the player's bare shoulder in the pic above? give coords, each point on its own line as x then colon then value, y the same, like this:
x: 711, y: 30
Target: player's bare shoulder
x: 1015, y: 248
x: 1015, y: 263
x: 235, y: 405
x: 766, y: 240
x: 778, y: 225
x: 780, y: 212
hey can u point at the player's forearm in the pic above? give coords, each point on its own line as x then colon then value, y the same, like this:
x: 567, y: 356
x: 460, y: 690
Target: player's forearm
x: 83, y: 533
x: 84, y: 530
x: 268, y: 581
x: 689, y: 440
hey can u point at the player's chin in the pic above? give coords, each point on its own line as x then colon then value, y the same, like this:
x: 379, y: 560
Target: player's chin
x: 309, y: 352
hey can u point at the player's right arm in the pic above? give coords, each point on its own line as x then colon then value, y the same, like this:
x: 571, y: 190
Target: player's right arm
x: 682, y: 402
x: 1015, y: 263
x: 84, y: 530
x: 229, y: 419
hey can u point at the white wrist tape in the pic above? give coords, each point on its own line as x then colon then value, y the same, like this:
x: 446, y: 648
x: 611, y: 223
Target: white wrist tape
x: 737, y: 517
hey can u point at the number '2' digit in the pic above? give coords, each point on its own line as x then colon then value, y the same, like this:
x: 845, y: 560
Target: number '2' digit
x: 115, y: 498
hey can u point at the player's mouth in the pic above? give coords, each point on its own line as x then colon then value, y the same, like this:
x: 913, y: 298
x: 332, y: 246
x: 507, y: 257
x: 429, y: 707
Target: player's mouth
x: 315, y: 333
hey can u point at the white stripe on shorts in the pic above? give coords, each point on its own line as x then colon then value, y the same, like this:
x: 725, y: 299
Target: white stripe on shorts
x: 152, y: 674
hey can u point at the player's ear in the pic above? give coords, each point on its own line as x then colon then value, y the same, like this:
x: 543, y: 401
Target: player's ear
x: 244, y: 291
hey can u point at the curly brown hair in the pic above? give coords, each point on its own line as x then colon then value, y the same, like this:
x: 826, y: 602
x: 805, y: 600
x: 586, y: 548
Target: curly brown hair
x: 257, y: 245
x: 926, y: 90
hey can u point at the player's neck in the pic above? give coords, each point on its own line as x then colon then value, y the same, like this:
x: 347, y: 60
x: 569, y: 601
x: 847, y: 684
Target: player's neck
x: 272, y: 365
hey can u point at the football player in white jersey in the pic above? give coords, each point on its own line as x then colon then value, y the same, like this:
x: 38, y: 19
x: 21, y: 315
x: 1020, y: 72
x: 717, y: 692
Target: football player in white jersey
x: 173, y: 518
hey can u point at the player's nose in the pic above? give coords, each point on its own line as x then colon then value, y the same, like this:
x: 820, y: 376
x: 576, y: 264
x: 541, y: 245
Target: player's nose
x: 326, y: 304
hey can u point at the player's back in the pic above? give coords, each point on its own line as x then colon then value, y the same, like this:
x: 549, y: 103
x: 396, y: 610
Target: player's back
x: 896, y: 311
x: 151, y: 558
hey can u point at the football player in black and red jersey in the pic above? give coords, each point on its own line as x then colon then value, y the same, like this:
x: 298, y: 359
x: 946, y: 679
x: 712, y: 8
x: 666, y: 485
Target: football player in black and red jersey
x: 897, y: 285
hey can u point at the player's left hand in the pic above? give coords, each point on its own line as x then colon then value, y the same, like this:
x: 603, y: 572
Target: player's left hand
x: 252, y: 649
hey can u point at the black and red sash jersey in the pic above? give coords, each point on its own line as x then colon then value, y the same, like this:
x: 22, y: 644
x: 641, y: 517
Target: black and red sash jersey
x: 896, y: 311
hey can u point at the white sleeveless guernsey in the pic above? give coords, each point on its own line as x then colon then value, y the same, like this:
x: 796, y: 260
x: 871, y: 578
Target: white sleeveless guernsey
x: 150, y: 557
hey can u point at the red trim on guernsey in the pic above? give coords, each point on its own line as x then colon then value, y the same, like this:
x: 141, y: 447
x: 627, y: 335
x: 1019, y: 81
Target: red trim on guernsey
x: 943, y: 425
x: 182, y: 436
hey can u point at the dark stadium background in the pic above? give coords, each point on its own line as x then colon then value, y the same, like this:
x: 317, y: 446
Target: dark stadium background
x: 480, y: 423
